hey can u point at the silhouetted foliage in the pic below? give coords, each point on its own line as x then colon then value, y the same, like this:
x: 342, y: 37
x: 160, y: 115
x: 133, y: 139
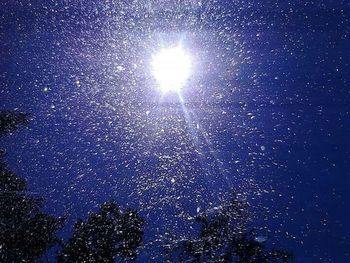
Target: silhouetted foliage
x: 25, y: 232
x: 104, y: 236
x: 11, y: 120
x: 223, y: 238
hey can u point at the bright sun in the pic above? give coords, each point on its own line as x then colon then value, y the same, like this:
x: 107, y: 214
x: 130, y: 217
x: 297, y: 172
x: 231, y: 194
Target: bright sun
x: 171, y: 67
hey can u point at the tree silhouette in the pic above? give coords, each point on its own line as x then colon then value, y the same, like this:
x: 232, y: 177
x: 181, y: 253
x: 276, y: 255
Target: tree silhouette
x: 104, y: 236
x: 11, y: 120
x: 223, y: 237
x: 25, y: 232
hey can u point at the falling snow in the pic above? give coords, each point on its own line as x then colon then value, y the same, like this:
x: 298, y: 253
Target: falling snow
x: 262, y: 110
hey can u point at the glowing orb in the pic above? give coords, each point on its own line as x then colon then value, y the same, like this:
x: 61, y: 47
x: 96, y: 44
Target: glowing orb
x: 171, y: 67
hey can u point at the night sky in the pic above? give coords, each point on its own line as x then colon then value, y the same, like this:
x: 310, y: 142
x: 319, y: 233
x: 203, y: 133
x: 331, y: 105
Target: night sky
x: 265, y: 111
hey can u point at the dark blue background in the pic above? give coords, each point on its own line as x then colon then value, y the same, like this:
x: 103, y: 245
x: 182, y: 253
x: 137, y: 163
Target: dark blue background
x: 266, y: 112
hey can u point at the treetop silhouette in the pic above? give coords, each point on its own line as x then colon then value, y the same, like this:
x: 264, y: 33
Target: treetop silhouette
x: 224, y: 237
x: 26, y: 232
x: 104, y: 236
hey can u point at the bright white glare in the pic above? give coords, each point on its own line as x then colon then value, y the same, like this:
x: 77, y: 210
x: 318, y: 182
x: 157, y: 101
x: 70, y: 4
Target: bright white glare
x: 171, y: 67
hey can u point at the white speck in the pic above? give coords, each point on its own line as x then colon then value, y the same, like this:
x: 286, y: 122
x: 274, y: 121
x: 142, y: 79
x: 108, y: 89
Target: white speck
x: 198, y: 209
x: 120, y: 68
x: 262, y: 147
x: 260, y: 239
x: 147, y: 112
x: 172, y: 180
x: 46, y: 89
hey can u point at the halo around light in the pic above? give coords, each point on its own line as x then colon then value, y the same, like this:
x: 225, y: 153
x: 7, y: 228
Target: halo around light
x: 171, y: 67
